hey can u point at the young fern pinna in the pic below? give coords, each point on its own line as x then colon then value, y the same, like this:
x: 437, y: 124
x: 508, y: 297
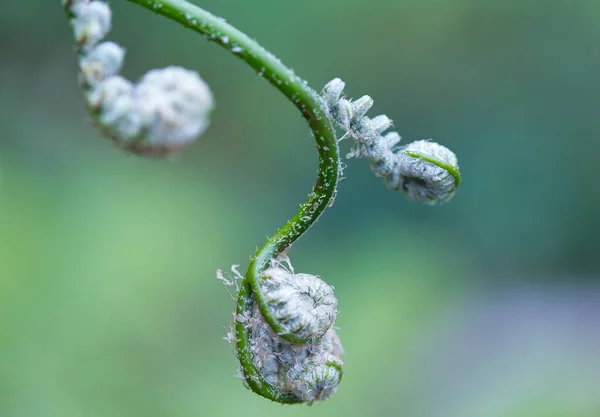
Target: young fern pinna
x: 283, y: 323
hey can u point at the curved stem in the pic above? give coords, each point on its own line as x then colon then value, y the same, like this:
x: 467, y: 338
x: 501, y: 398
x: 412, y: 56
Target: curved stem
x: 311, y: 107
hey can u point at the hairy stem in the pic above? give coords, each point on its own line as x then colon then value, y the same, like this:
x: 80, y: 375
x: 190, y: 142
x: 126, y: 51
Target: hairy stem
x: 311, y: 107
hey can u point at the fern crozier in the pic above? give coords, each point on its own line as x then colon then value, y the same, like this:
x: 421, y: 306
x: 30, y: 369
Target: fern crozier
x: 284, y: 322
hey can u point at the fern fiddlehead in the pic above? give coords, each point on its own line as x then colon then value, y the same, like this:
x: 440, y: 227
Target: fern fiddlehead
x: 283, y: 321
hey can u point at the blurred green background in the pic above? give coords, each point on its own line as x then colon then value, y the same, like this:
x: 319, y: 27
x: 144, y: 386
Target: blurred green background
x: 486, y: 307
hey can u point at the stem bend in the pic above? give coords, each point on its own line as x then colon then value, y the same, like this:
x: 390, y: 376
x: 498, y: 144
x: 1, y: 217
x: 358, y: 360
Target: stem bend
x: 312, y: 108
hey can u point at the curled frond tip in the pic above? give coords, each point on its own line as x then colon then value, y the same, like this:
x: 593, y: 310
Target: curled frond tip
x: 425, y: 171
x: 161, y: 114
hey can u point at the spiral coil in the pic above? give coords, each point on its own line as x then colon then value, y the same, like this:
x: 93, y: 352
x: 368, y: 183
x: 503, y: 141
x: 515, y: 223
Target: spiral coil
x: 161, y: 114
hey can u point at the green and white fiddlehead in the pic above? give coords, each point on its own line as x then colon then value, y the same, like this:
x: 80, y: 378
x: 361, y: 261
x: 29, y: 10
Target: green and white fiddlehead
x: 283, y: 326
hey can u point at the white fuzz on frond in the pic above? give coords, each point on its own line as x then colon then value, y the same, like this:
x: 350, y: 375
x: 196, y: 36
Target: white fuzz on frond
x: 424, y: 170
x: 308, y: 372
x: 332, y: 92
x: 305, y: 370
x: 381, y: 123
x: 161, y: 114
x: 103, y: 61
x: 304, y: 305
x: 91, y: 23
x: 361, y: 106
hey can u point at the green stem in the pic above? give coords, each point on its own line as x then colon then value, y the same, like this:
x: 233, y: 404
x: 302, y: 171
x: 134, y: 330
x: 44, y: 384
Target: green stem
x: 311, y: 107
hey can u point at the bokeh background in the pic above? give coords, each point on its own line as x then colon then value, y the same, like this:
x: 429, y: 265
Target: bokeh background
x: 486, y: 307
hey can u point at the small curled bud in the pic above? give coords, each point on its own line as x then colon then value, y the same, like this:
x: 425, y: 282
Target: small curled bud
x: 427, y: 172
x: 103, y: 61
x: 332, y: 92
x: 301, y: 372
x: 316, y: 380
x: 381, y: 123
x: 337, y: 107
x: 175, y: 103
x: 360, y: 107
x: 165, y: 111
x: 344, y: 114
x: 91, y: 22
x: 302, y: 305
